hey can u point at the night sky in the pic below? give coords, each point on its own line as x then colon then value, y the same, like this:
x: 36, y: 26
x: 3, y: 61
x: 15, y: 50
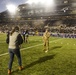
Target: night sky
x: 3, y: 3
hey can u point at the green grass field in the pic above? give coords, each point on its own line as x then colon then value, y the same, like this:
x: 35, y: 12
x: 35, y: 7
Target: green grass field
x: 59, y: 60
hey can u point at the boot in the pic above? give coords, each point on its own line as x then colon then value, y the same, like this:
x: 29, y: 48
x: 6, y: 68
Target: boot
x: 9, y: 72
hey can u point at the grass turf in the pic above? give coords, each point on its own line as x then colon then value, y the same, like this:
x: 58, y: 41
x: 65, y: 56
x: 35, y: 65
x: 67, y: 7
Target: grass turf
x: 59, y: 60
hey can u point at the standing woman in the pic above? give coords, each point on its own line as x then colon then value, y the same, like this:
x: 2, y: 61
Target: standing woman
x: 14, y: 41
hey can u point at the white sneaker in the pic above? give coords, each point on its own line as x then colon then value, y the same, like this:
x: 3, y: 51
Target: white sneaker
x: 46, y: 51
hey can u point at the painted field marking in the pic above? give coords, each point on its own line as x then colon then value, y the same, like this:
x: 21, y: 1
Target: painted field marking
x: 30, y: 47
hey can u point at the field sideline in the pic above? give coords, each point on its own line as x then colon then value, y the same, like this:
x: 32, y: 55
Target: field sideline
x: 59, y: 60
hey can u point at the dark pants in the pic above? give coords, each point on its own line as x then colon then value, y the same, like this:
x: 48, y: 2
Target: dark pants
x: 24, y: 37
x: 13, y: 52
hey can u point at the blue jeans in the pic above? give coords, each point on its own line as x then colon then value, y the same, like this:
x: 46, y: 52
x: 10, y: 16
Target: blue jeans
x: 13, y: 52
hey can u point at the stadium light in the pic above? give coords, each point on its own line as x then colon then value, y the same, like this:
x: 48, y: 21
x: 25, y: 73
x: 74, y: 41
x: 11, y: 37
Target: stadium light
x: 11, y: 8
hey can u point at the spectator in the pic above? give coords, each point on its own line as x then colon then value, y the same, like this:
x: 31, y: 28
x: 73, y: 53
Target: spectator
x: 26, y: 36
x: 23, y: 33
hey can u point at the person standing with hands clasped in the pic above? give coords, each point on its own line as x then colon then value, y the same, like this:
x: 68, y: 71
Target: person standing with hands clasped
x: 14, y: 41
x: 46, y: 36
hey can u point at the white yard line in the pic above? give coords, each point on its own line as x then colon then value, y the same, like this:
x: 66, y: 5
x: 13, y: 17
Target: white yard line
x: 30, y: 47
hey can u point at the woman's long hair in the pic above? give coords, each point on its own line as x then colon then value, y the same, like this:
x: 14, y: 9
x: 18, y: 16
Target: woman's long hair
x: 16, y: 28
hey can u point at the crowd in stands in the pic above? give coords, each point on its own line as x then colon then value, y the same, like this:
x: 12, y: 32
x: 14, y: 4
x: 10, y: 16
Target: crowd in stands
x: 56, y: 31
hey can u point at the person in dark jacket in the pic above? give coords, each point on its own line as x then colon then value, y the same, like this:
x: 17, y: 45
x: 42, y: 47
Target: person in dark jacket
x: 27, y: 36
x: 23, y: 33
x: 14, y: 40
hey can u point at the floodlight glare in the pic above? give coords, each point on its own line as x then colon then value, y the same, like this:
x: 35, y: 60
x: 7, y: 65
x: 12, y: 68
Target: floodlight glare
x: 32, y: 1
x: 11, y: 8
x: 49, y: 3
x: 45, y: 2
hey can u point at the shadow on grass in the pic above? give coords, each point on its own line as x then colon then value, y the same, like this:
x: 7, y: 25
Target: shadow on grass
x: 55, y: 47
x: 40, y: 60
